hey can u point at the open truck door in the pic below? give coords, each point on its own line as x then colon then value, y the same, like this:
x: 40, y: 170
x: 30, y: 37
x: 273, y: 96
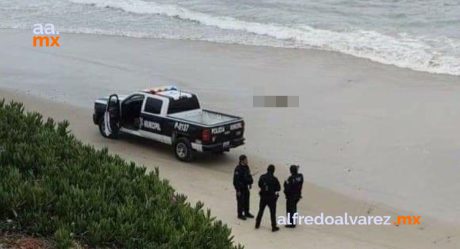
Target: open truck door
x: 110, y: 124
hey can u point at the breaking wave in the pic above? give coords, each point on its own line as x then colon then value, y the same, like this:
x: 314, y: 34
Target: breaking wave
x: 400, y: 50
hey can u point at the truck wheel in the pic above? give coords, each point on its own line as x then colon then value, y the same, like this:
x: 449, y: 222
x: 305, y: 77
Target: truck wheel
x: 183, y: 150
x: 102, y: 130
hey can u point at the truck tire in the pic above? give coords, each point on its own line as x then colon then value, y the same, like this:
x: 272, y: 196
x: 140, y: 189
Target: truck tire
x: 183, y: 150
x: 114, y: 134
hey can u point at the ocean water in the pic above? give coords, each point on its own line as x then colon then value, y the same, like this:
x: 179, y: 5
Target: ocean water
x: 422, y: 35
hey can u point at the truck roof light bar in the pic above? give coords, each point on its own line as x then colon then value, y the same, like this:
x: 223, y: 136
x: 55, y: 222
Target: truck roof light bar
x: 161, y: 89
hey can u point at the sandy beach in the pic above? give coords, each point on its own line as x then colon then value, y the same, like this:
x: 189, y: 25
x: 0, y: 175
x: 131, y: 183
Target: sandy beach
x: 371, y: 139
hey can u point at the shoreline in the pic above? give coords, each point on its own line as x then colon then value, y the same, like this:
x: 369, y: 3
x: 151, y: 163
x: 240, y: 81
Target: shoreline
x: 99, y: 33
x: 215, y: 43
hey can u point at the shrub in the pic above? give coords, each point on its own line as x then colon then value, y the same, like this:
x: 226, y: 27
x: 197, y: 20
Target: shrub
x: 53, y: 185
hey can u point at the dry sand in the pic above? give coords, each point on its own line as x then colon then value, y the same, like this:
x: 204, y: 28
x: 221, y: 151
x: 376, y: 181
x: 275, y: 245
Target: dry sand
x: 370, y: 138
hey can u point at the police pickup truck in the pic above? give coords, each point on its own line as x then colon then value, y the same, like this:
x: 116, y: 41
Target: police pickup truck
x: 170, y: 116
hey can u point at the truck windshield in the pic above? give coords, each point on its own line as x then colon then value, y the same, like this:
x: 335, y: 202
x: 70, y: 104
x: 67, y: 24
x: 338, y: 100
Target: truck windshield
x: 183, y: 104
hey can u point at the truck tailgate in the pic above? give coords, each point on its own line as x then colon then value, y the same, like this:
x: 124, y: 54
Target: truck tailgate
x: 228, y: 131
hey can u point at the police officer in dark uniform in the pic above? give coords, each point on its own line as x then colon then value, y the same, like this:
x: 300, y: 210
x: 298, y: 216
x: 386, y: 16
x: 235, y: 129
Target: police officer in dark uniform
x: 269, y: 188
x: 293, y: 192
x: 242, y: 181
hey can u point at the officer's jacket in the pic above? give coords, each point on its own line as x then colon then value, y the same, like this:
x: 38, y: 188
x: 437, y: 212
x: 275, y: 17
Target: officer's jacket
x: 269, y: 185
x: 242, y: 177
x: 293, y: 186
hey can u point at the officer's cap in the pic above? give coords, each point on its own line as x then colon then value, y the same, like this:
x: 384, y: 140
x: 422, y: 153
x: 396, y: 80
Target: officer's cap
x: 294, y: 168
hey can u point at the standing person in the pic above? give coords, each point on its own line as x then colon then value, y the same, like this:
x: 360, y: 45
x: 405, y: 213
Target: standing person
x: 293, y: 192
x: 269, y: 188
x: 242, y: 181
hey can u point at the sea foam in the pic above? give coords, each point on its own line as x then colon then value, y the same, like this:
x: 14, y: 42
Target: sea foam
x: 400, y: 50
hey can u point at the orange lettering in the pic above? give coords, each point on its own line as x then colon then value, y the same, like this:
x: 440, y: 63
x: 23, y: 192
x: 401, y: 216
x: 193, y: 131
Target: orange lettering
x: 41, y: 39
x: 54, y: 41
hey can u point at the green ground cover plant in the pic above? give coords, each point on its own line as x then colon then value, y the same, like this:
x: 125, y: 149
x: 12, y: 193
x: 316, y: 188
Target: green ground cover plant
x: 54, y: 186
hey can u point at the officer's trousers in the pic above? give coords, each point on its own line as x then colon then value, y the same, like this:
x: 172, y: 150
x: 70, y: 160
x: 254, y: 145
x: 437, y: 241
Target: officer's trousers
x: 291, y: 209
x: 269, y: 201
x: 242, y: 202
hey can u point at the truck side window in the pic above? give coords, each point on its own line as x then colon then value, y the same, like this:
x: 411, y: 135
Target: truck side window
x: 153, y: 106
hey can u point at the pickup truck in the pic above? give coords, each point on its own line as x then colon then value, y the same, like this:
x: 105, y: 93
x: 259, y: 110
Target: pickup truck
x: 169, y: 116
